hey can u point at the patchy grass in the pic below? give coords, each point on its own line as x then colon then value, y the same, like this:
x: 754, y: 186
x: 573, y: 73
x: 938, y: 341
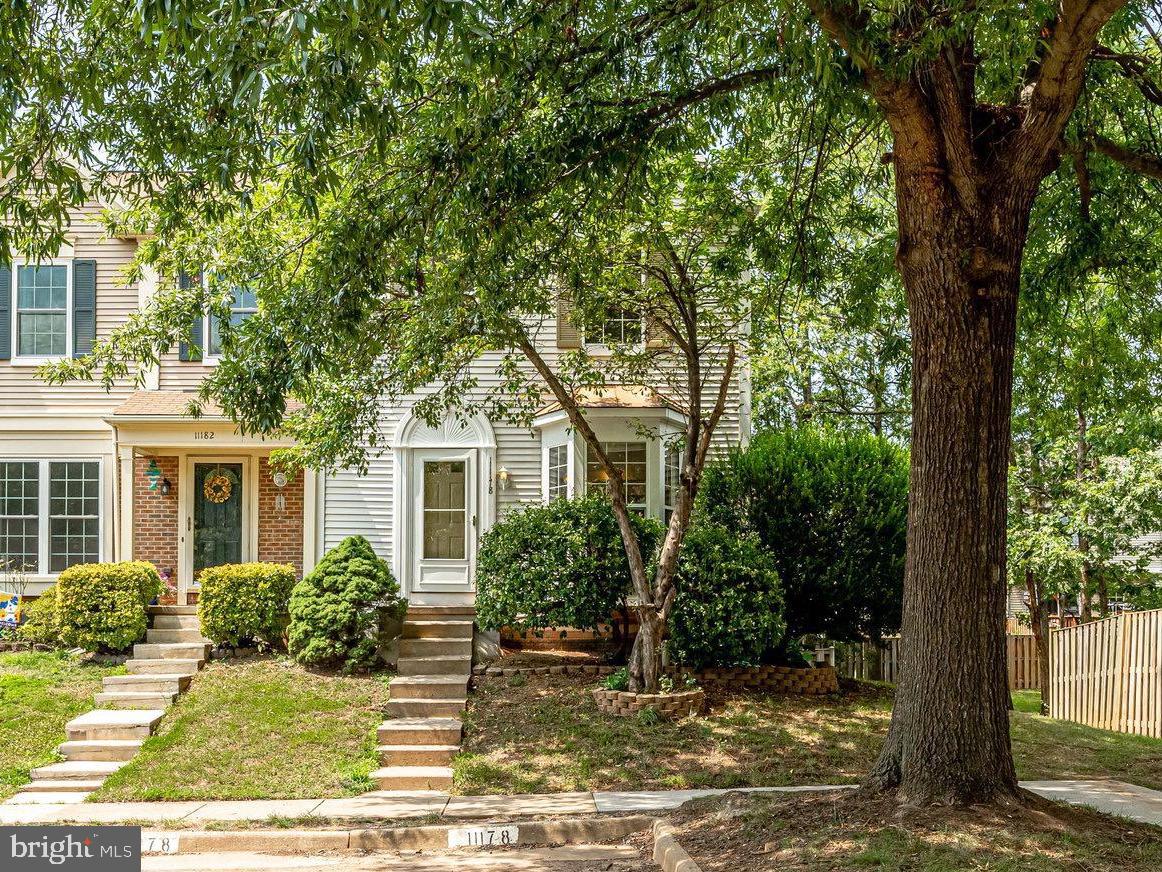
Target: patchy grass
x: 262, y: 728
x: 544, y: 734
x: 849, y: 832
x: 39, y: 693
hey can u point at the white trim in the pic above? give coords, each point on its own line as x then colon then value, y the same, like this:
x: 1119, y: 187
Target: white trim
x: 16, y: 358
x: 311, y: 483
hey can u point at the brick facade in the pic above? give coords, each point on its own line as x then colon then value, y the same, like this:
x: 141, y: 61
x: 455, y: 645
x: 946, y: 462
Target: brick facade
x: 280, y: 529
x: 155, y: 515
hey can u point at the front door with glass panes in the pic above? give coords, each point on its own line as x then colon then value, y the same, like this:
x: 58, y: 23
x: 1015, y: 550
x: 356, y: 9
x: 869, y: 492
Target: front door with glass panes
x: 219, y: 502
x: 444, y: 527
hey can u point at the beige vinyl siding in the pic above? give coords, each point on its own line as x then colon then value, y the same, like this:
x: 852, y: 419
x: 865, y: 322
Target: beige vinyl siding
x: 1152, y: 539
x: 354, y: 504
x: 181, y: 375
x: 21, y: 391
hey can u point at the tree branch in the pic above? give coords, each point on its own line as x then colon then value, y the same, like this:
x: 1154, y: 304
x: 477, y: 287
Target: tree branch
x: 1144, y: 164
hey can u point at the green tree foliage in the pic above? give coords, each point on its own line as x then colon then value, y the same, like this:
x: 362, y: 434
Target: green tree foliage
x: 556, y: 565
x: 335, y: 610
x: 102, y: 606
x: 831, y: 510
x: 729, y: 608
x: 244, y: 603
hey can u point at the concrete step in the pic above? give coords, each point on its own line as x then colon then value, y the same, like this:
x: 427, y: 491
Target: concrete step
x: 168, y: 665
x: 113, y: 724
x: 426, y: 708
x: 100, y: 749
x: 169, y: 682
x: 176, y: 622
x: 130, y: 699
x: 420, y: 731
x: 417, y: 755
x: 49, y: 785
x: 56, y: 797
x: 173, y: 610
x: 446, y: 628
x: 450, y: 665
x: 171, y: 651
x: 429, y: 686
x: 431, y: 647
x: 76, y: 770
x: 180, y: 634
x: 413, y: 777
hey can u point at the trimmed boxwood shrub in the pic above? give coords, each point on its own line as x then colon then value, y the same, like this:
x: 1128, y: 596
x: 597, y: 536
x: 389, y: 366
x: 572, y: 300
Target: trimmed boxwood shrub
x: 728, y: 610
x: 557, y: 565
x: 832, y: 512
x: 240, y: 603
x: 335, y: 609
x: 102, y: 606
x: 40, y: 620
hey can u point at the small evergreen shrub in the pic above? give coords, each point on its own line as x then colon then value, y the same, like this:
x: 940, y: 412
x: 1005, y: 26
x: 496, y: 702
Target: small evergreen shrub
x: 831, y: 510
x: 40, y: 620
x: 728, y: 610
x: 241, y: 603
x: 335, y: 609
x: 558, y: 565
x: 102, y: 606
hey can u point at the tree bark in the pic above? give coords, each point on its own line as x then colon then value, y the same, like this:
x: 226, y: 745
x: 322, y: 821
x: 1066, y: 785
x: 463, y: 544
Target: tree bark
x: 960, y: 261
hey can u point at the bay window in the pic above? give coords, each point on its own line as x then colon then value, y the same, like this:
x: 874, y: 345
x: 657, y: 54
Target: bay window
x: 630, y: 459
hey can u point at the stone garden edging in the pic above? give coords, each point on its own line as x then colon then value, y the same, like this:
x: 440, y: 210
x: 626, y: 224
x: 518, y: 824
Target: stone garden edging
x: 670, y: 855
x: 622, y: 703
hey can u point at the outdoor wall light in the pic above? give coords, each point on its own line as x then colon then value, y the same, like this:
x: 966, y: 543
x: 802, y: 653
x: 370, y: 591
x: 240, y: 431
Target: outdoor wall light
x: 165, y: 487
x: 503, y: 476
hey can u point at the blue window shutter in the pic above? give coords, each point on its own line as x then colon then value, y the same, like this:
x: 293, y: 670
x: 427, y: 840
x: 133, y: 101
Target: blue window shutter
x: 84, y: 306
x: 5, y: 312
x: 190, y: 348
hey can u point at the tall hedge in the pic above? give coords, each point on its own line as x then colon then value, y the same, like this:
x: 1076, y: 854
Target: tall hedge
x: 729, y: 606
x: 557, y: 565
x: 832, y: 512
x: 335, y: 609
x: 240, y: 603
x: 102, y: 606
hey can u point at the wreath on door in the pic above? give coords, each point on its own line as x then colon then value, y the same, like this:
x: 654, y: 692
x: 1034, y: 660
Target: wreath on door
x: 217, y: 487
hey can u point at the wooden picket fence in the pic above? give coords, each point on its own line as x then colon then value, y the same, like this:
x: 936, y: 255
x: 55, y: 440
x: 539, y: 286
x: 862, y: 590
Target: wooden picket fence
x: 869, y: 662
x: 1108, y: 673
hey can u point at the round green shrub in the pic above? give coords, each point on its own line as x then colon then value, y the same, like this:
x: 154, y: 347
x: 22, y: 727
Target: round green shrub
x: 335, y: 609
x: 102, y: 606
x: 558, y: 565
x: 241, y: 603
x: 728, y: 610
x: 40, y: 620
x: 832, y: 511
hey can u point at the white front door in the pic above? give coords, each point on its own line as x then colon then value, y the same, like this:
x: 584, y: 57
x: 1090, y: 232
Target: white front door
x: 444, y: 520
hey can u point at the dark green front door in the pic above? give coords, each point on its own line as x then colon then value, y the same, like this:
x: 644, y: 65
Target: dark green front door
x: 217, y: 514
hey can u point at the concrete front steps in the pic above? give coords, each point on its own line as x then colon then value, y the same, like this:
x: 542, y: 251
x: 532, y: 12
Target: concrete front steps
x: 423, y: 730
x: 130, y: 708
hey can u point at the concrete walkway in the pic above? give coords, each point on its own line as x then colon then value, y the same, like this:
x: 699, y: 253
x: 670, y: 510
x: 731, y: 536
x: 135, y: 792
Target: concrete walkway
x: 1113, y: 797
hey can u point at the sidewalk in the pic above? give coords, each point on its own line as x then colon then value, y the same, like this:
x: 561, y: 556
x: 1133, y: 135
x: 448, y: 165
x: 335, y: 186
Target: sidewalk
x: 1113, y: 797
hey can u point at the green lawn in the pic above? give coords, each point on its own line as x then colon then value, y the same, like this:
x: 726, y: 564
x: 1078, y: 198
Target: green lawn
x: 261, y: 728
x: 39, y: 693
x: 544, y: 734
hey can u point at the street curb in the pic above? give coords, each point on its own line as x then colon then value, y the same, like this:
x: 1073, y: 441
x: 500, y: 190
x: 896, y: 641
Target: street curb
x: 401, y: 839
x: 668, y: 854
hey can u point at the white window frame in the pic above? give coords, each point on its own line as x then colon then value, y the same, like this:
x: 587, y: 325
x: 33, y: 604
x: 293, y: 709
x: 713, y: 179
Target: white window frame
x: 208, y: 319
x: 643, y: 507
x: 43, y: 508
x: 670, y: 450
x: 18, y: 359
x: 601, y: 347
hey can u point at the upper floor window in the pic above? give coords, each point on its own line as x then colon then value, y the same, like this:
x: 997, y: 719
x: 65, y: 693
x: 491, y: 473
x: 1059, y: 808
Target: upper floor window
x: 243, y: 304
x: 630, y: 458
x: 42, y: 311
x: 50, y: 514
x: 619, y: 327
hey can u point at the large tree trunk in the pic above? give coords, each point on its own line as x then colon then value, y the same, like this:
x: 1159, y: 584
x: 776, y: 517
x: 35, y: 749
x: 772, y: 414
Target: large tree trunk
x: 949, y: 736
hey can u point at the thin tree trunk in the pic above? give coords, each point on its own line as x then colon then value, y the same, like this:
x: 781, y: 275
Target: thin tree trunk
x: 949, y: 737
x: 1039, y: 621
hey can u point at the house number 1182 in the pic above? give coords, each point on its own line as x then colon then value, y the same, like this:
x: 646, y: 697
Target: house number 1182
x: 203, y: 434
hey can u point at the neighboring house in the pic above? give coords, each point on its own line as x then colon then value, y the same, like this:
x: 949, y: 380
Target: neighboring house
x: 87, y: 475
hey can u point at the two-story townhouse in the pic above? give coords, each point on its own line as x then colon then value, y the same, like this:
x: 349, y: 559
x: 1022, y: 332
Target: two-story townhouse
x: 87, y: 475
